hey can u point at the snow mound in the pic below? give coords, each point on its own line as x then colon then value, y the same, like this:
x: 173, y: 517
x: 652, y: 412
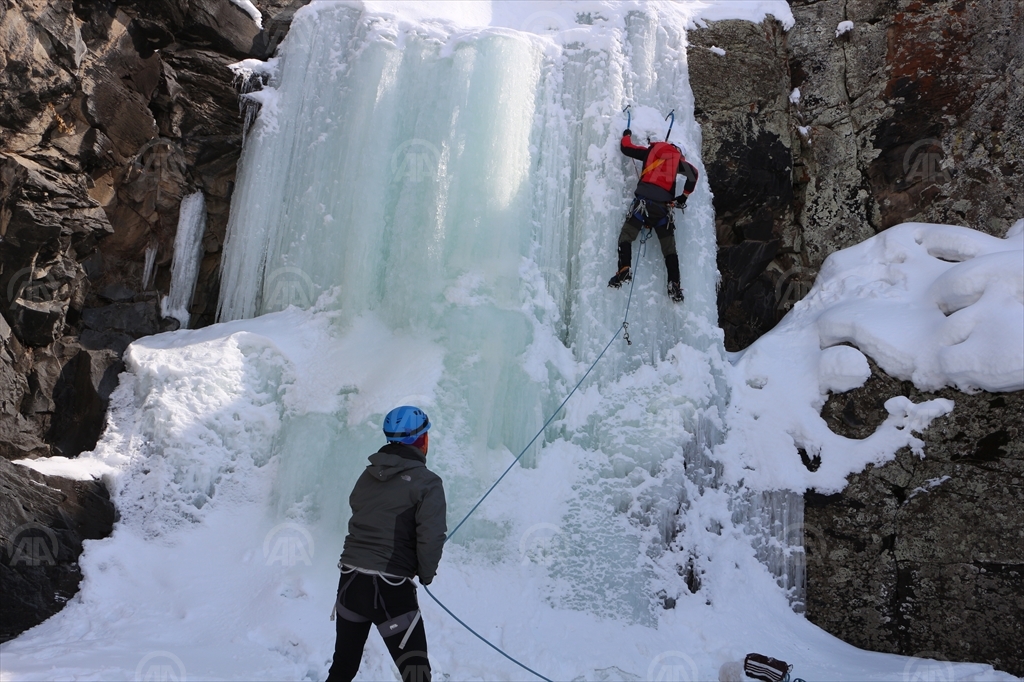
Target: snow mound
x: 844, y: 27
x: 939, y: 305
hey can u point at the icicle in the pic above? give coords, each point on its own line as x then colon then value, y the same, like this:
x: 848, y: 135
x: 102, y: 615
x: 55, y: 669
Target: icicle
x: 248, y: 80
x: 775, y: 522
x: 149, y: 270
x: 188, y: 253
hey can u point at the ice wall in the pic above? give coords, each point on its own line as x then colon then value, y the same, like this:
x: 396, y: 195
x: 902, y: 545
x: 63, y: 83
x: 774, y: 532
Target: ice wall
x: 466, y: 187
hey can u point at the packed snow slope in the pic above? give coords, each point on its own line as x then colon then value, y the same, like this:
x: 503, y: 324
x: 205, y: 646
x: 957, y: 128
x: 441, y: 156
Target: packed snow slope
x: 426, y: 212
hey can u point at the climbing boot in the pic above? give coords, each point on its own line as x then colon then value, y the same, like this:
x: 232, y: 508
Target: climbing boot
x: 623, y: 275
x: 675, y: 292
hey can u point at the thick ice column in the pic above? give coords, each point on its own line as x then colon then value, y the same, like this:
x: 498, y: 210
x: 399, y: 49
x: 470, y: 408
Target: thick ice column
x: 188, y: 252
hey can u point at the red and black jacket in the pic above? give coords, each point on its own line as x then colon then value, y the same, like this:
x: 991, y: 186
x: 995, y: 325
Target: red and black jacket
x: 662, y: 162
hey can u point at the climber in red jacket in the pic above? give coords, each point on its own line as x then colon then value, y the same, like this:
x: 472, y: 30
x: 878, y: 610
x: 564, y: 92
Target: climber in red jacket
x: 653, y: 201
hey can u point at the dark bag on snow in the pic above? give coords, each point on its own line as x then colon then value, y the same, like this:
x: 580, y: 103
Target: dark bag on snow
x: 766, y: 668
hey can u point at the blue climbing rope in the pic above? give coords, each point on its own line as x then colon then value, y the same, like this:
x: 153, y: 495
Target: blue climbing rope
x: 645, y: 234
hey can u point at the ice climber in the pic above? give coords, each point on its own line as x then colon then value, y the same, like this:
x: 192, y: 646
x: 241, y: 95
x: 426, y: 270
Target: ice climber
x: 396, y: 532
x: 653, y: 201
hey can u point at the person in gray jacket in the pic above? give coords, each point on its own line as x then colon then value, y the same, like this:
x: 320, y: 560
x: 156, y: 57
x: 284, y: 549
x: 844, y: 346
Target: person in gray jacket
x: 396, y: 532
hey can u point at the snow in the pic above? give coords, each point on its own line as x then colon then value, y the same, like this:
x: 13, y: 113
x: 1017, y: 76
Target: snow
x: 794, y: 96
x: 844, y: 27
x: 717, y: 50
x: 85, y: 469
x: 457, y: 273
x: 939, y: 305
x: 250, y: 9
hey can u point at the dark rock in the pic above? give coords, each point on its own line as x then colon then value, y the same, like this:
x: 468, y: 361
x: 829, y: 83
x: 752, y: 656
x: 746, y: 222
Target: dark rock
x: 135, y: 319
x: 926, y: 554
x: 80, y: 397
x: 115, y: 341
x: 275, y: 28
x: 43, y: 521
x: 38, y: 322
x: 225, y: 25
x: 116, y: 293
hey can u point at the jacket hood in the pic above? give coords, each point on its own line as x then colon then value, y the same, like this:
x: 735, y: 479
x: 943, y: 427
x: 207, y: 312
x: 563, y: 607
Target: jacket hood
x: 393, y: 459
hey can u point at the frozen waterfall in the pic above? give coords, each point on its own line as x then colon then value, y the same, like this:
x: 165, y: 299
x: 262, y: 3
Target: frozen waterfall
x: 188, y: 253
x: 426, y: 212
x: 467, y: 188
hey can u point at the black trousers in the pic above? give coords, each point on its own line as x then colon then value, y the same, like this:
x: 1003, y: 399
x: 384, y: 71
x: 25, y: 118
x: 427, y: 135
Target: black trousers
x: 364, y: 599
x: 666, y: 237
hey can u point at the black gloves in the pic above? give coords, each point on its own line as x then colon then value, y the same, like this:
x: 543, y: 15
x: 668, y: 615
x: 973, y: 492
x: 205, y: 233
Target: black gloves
x: 626, y: 132
x: 681, y: 200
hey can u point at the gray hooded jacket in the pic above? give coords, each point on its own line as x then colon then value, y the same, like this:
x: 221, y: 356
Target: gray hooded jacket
x: 398, y: 515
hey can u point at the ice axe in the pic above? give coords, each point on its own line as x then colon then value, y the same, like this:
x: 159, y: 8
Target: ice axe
x: 671, y: 115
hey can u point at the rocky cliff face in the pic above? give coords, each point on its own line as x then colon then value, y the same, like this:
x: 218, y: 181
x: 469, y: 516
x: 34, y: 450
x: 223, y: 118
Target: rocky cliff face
x: 110, y: 113
x: 815, y: 140
x: 925, y: 555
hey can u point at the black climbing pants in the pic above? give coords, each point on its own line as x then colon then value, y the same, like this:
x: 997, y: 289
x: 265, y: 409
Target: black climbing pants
x: 364, y: 599
x: 666, y: 237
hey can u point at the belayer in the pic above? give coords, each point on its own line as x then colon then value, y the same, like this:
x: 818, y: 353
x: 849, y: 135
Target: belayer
x: 653, y: 201
x: 397, y: 531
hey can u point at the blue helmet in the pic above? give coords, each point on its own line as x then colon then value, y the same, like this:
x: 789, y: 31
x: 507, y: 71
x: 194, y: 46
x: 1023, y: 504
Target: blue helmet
x: 405, y: 424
